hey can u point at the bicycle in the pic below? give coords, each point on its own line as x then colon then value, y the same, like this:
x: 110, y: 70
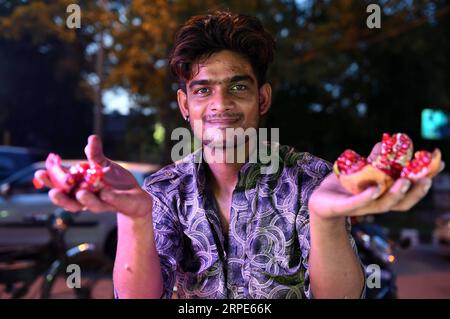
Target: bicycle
x: 21, y: 268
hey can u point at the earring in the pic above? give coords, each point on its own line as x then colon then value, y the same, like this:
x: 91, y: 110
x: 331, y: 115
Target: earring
x: 187, y: 118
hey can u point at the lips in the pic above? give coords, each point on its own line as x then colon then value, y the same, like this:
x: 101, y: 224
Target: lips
x: 223, y: 121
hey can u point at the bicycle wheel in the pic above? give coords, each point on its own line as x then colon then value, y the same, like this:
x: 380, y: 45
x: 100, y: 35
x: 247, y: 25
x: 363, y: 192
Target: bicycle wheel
x: 93, y: 280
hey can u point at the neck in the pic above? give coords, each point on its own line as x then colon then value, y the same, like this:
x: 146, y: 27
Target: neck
x: 224, y: 165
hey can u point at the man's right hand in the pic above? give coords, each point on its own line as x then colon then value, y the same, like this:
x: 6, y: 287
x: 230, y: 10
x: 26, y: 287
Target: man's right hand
x: 122, y: 194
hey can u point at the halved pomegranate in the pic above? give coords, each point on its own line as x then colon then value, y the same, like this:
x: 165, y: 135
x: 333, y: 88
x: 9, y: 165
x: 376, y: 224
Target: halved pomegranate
x: 80, y: 176
x: 356, y: 173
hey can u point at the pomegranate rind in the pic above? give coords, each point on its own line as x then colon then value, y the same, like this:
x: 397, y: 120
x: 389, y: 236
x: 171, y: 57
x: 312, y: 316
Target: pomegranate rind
x: 436, y: 160
x: 80, y: 176
x: 368, y: 176
x: 37, y: 183
x: 58, y: 175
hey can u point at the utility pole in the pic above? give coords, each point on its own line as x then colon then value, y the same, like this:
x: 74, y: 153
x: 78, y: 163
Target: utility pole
x: 98, y: 108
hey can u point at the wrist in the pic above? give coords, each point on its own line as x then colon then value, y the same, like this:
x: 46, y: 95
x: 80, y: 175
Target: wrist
x: 142, y: 211
x: 326, y: 222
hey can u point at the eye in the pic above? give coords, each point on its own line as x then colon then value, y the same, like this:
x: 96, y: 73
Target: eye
x: 238, y: 87
x: 202, y: 91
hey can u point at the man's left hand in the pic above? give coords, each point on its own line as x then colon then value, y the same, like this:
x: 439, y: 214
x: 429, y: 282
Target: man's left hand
x: 331, y: 200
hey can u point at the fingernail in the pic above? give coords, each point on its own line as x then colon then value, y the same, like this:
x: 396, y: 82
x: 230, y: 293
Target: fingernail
x: 405, y: 187
x: 377, y: 193
x: 427, y: 186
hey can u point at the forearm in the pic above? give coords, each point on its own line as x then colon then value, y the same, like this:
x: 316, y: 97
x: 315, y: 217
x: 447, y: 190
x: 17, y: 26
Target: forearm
x: 137, y: 271
x: 335, y: 271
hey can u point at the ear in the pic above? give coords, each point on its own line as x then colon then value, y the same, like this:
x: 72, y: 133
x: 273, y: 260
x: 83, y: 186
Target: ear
x: 265, y: 98
x: 182, y: 103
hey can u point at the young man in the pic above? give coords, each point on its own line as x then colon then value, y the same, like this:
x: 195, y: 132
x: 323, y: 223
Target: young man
x: 225, y: 229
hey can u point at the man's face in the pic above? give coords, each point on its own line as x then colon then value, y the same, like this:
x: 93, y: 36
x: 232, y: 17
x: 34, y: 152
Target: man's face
x: 223, y: 94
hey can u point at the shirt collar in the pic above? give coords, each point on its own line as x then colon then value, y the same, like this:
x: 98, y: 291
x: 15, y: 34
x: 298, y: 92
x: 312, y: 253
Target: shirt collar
x: 250, y: 171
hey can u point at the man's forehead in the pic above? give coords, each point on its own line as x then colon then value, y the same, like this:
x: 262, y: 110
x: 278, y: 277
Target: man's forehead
x: 221, y: 75
x: 222, y: 65
x: 222, y: 70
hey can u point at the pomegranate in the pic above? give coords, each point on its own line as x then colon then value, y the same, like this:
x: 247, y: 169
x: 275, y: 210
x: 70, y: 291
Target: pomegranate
x: 424, y: 164
x: 83, y: 175
x: 356, y: 173
x: 396, y: 151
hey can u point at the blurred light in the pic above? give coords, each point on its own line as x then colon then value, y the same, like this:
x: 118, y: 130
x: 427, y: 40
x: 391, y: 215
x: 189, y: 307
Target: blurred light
x: 391, y: 258
x: 159, y: 133
x: 83, y: 247
x: 361, y: 108
x: 117, y: 100
x: 315, y: 107
x: 365, y: 238
x: 434, y: 124
x: 4, y: 214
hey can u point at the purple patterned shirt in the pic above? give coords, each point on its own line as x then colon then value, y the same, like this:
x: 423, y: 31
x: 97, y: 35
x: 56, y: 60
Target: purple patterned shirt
x: 265, y: 254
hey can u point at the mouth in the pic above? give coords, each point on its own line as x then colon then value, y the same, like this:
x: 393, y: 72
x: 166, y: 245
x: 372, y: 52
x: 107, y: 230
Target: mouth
x: 224, y: 121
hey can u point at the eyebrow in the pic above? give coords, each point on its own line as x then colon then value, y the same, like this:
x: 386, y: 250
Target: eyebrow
x: 236, y: 78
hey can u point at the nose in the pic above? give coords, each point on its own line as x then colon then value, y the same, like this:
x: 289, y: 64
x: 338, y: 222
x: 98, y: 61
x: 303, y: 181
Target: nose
x: 221, y: 102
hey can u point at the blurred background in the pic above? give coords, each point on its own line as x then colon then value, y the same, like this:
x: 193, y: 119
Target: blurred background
x: 337, y: 84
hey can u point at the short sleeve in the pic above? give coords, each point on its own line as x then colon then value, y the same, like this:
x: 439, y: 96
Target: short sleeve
x: 314, y: 172
x: 168, y: 237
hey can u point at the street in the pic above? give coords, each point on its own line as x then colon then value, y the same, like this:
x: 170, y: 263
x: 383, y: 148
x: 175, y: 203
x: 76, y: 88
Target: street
x: 422, y: 273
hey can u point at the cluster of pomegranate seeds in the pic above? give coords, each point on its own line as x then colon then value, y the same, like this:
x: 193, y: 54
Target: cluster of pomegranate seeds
x: 396, y: 151
x: 86, y: 176
x: 417, y: 165
x: 94, y: 178
x: 397, y: 148
x: 350, y: 162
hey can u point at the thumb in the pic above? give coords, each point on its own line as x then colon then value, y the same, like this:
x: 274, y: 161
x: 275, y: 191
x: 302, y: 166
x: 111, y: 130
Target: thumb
x: 94, y: 151
x: 376, y: 150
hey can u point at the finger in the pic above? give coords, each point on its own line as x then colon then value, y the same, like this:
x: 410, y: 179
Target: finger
x: 92, y: 203
x: 59, y: 198
x: 395, y: 194
x: 375, y: 151
x: 94, y: 151
x: 416, y: 193
x: 442, y: 167
x: 42, y: 176
x: 358, y: 201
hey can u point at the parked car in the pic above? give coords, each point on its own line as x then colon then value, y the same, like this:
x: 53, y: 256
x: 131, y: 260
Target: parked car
x: 13, y: 159
x: 441, y: 234
x: 20, y: 201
